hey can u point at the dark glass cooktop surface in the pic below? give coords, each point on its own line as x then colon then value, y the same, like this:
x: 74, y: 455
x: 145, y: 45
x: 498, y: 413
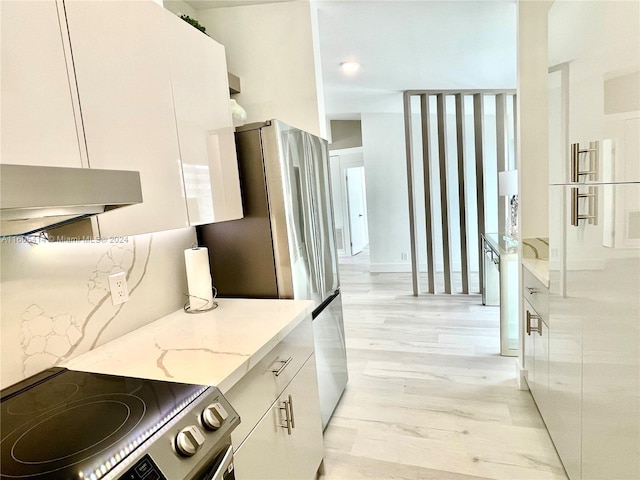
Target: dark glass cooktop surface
x: 69, y: 425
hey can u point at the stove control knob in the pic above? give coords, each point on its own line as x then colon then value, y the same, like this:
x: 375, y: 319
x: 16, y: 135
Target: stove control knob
x: 189, y: 440
x: 214, y: 416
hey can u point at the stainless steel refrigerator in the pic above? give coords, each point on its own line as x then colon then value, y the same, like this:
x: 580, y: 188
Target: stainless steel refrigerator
x: 284, y: 247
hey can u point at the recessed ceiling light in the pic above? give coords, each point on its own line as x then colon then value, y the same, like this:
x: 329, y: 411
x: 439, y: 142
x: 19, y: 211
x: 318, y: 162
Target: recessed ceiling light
x: 350, y: 67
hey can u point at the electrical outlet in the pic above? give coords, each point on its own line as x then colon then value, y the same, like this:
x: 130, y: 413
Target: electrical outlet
x: 118, y: 287
x: 404, y: 256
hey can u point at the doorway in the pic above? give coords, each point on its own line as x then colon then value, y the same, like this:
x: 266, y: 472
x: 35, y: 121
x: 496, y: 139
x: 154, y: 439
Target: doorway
x: 357, y: 208
x: 348, y: 188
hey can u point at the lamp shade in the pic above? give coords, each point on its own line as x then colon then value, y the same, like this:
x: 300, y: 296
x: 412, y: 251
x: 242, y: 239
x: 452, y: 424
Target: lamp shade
x: 508, y: 183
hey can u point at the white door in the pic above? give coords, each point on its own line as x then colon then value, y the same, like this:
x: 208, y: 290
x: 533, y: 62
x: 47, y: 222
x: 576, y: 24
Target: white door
x: 356, y: 205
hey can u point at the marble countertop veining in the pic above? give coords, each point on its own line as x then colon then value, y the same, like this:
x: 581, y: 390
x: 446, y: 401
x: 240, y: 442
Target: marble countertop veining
x: 535, y: 258
x: 212, y: 348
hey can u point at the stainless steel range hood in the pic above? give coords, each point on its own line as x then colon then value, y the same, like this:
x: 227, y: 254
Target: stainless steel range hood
x: 35, y: 198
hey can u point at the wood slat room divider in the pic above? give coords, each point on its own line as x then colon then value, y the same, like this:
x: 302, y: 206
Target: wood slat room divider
x: 503, y: 126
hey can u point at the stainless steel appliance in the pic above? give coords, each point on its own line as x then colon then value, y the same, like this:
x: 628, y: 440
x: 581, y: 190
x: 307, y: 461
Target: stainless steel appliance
x: 35, y: 198
x: 63, y: 424
x: 284, y: 247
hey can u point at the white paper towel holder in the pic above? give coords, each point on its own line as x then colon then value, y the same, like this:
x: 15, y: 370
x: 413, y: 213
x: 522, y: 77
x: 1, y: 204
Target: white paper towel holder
x: 209, y: 304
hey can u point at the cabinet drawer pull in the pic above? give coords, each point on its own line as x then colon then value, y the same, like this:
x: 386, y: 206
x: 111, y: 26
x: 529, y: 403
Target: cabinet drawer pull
x: 287, y: 416
x: 293, y: 422
x: 531, y: 290
x: 284, y: 363
x: 529, y: 327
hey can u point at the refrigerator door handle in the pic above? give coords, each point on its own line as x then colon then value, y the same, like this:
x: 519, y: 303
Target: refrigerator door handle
x: 315, y: 210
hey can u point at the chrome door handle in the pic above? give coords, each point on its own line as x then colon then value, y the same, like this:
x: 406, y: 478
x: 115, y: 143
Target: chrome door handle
x: 284, y: 365
x: 574, y: 206
x: 293, y: 422
x: 529, y: 327
x: 592, y: 203
x: 575, y: 157
x: 287, y: 416
x: 576, y: 173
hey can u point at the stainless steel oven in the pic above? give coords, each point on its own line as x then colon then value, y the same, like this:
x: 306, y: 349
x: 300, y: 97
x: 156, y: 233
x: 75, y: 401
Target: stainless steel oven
x: 64, y: 424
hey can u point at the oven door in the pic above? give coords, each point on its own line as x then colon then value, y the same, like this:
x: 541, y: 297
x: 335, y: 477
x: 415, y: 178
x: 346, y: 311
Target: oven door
x: 221, y: 468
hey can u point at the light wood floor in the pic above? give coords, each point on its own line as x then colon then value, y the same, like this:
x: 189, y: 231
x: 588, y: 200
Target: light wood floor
x: 428, y: 395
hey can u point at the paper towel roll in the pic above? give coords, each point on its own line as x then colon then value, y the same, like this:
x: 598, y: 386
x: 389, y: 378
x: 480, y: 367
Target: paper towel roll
x: 198, y: 278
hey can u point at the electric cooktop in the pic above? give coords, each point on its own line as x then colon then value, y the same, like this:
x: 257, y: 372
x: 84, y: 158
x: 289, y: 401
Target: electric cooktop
x: 64, y: 424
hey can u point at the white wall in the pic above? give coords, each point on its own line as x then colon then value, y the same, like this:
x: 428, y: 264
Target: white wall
x: 387, y: 196
x: 387, y: 201
x: 55, y: 302
x: 270, y: 47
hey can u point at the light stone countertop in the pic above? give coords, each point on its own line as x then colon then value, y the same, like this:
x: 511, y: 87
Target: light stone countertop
x: 539, y: 268
x: 213, y: 348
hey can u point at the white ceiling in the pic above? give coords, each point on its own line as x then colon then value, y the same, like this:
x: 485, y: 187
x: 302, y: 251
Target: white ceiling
x: 402, y: 45
x: 405, y: 45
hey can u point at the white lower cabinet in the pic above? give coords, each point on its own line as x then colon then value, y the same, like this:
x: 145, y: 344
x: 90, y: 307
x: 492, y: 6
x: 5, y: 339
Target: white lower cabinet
x: 536, y: 336
x: 537, y: 355
x: 305, y: 447
x: 564, y: 414
x: 280, y: 433
x: 264, y: 453
x: 287, y: 442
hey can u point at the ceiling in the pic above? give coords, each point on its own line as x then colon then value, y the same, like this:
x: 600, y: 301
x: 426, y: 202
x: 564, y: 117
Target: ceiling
x: 403, y: 45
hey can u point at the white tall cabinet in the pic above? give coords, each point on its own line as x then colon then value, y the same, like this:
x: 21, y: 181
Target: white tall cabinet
x: 591, y: 402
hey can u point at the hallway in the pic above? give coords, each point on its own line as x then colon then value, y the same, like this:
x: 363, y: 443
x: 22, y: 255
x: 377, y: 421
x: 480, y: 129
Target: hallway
x: 428, y: 396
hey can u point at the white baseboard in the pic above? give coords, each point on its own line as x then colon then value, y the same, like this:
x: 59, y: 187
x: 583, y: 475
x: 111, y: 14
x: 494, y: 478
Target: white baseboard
x: 406, y: 268
x: 522, y: 375
x: 390, y: 267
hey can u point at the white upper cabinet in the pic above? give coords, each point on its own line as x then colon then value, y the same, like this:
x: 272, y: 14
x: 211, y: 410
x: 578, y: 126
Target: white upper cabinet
x: 124, y: 87
x: 38, y: 124
x: 205, y: 128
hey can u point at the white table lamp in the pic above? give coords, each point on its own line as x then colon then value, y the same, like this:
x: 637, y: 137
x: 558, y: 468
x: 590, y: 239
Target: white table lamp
x: 508, y: 186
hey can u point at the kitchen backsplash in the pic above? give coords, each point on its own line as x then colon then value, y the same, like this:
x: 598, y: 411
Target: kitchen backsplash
x: 55, y: 301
